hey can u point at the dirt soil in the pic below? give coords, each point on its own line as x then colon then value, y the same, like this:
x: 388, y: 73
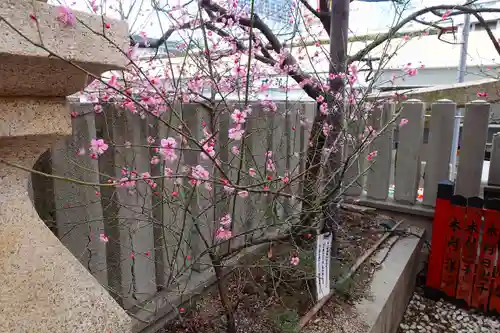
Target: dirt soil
x: 271, y: 295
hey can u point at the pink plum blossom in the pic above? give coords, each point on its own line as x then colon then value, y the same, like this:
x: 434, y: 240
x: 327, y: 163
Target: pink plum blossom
x: 167, y: 149
x: 252, y: 172
x: 155, y: 160
x: 326, y: 129
x: 412, y: 72
x: 372, y: 155
x: 236, y: 133
x: 243, y: 194
x: 323, y: 108
x: 228, y: 189
x: 446, y: 14
x: 199, y: 174
x: 239, y: 117
x: 66, y: 16
x: 168, y: 172
x: 225, y: 220
x: 286, y: 178
x: 223, y: 234
x: 270, y: 166
x: 98, y: 147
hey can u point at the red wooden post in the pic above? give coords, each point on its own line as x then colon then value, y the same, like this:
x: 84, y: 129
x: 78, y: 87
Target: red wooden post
x: 453, y: 243
x: 492, y: 220
x: 487, y: 259
x: 442, y: 214
x: 470, y: 239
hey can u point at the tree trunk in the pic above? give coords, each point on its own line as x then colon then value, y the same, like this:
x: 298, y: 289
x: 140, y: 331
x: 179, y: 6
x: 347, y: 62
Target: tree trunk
x: 224, y: 297
x: 339, y: 25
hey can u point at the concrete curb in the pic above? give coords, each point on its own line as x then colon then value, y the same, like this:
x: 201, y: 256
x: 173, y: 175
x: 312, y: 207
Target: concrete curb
x: 392, y: 286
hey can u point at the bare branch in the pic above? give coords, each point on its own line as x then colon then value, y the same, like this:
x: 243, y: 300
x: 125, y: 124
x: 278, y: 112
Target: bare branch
x: 392, y: 32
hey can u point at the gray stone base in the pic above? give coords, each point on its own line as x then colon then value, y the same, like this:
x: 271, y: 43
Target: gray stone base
x: 392, y: 285
x: 392, y: 205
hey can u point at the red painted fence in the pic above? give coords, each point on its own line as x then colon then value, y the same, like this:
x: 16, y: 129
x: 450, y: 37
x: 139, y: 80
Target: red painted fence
x: 463, y: 263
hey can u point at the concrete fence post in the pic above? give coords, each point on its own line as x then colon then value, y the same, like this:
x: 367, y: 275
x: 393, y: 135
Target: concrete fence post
x: 439, y: 148
x: 381, y: 168
x: 78, y: 212
x: 378, y: 177
x: 472, y: 148
x: 127, y: 213
x: 353, y: 180
x: 407, y: 168
x: 494, y: 172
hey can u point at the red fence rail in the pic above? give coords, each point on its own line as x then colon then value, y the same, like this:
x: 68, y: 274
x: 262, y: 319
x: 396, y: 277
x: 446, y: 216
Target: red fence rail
x: 463, y: 263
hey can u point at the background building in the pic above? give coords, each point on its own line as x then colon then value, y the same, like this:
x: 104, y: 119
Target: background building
x: 276, y: 13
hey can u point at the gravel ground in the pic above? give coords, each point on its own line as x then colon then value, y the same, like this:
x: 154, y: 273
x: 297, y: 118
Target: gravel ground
x: 425, y: 315
x: 336, y: 317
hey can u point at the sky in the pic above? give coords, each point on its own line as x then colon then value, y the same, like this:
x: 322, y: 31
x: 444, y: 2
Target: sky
x: 364, y: 17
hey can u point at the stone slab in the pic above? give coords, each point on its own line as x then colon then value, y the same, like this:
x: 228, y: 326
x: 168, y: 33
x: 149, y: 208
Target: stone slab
x: 28, y: 116
x: 392, y: 285
x: 27, y: 69
x: 392, y: 205
x: 43, y: 287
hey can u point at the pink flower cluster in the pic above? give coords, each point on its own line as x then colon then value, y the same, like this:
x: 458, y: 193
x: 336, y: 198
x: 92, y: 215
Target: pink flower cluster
x: 208, y: 144
x: 199, y: 175
x: 167, y: 149
x: 224, y: 231
x: 146, y: 176
x: 129, y: 178
x: 97, y: 147
x: 66, y: 16
x: 270, y: 166
x: 239, y: 118
x: 372, y: 155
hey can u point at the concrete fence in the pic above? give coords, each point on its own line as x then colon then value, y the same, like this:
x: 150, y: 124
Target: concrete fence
x: 154, y: 253
x: 406, y: 178
x: 153, y: 235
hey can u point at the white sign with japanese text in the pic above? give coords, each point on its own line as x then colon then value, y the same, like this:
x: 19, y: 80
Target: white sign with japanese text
x: 323, y: 259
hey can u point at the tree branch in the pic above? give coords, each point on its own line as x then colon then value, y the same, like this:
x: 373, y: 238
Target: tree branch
x: 378, y: 41
x: 296, y: 73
